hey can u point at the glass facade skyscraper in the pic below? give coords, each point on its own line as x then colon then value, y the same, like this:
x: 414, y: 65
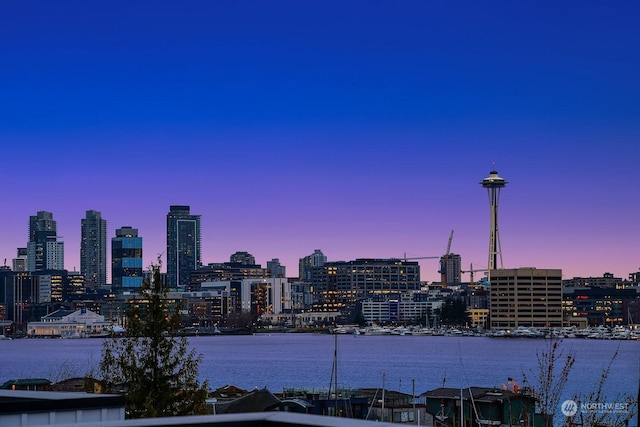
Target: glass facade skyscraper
x: 183, y: 245
x: 93, y: 250
x: 126, y: 260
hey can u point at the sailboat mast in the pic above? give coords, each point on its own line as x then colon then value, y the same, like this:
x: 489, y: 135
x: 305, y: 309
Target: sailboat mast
x: 383, y: 378
x: 461, y: 410
x: 335, y: 370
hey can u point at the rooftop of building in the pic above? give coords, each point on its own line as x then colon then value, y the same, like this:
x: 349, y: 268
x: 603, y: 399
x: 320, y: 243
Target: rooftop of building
x: 12, y: 401
x: 478, y: 394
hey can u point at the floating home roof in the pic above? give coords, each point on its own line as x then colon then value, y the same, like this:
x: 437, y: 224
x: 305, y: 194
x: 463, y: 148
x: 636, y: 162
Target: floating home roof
x: 15, y: 401
x: 480, y: 394
x: 24, y: 382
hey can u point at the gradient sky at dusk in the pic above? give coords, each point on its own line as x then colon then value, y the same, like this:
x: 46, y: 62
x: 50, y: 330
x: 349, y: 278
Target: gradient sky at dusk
x: 361, y: 128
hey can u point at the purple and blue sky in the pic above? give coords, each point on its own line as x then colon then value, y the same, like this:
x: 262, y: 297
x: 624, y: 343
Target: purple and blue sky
x: 361, y: 128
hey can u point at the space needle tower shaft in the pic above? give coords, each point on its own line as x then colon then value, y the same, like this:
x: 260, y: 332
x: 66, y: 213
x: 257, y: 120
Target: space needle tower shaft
x: 494, y: 183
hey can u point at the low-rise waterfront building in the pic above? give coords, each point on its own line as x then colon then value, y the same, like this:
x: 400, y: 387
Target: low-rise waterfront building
x: 399, y: 311
x: 70, y: 324
x: 482, y: 406
x: 479, y: 317
x: 602, y: 305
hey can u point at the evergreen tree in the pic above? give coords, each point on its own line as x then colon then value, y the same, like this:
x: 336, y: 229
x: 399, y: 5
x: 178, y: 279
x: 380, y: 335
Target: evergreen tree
x: 153, y: 362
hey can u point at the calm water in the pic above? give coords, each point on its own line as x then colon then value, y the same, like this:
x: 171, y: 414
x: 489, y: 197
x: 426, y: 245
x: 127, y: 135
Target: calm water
x: 305, y: 360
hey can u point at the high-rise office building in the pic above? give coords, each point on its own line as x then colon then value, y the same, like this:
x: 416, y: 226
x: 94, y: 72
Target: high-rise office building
x: 244, y: 258
x: 18, y: 294
x: 528, y: 297
x: 42, y: 221
x: 19, y: 263
x: 60, y: 285
x: 126, y: 261
x: 306, y: 264
x: 452, y: 267
x: 93, y: 250
x: 44, y: 251
x: 54, y: 254
x: 183, y: 245
x: 276, y: 269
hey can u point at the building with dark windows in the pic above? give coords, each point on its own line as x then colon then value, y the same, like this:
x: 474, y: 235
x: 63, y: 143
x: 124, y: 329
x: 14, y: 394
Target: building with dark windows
x: 93, y: 250
x: 41, y: 221
x: 339, y: 285
x: 256, y: 296
x: 604, y: 306
x: 60, y: 285
x: 307, y: 264
x: 606, y: 281
x: 244, y: 258
x: 19, y: 263
x: 276, y: 269
x: 126, y: 261
x: 19, y: 293
x: 226, y: 271
x: 183, y: 246
x: 527, y: 297
x: 451, y: 269
x: 44, y: 251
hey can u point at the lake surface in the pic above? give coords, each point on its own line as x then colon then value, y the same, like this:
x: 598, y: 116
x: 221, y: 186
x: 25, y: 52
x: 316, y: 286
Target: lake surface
x: 282, y: 360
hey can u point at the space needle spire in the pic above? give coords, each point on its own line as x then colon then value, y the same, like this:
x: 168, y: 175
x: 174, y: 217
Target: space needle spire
x: 494, y: 183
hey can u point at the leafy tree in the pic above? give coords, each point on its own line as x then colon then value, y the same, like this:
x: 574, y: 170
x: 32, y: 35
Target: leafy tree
x: 554, y: 367
x: 357, y: 316
x: 153, y: 362
x: 454, y: 312
x: 240, y: 320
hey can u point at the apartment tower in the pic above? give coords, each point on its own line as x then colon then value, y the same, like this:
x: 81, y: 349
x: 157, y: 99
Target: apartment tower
x: 126, y: 261
x: 183, y: 245
x: 44, y: 251
x: 93, y: 250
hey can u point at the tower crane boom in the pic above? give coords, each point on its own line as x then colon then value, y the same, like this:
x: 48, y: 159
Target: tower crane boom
x: 471, y: 271
x: 404, y: 258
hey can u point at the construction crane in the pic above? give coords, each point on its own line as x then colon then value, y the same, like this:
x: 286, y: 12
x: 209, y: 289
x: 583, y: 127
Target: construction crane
x: 419, y: 257
x: 444, y: 264
x: 471, y: 271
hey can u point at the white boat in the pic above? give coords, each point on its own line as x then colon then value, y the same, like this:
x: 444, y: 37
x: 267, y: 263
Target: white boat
x: 489, y: 422
x: 422, y: 331
x: 378, y: 330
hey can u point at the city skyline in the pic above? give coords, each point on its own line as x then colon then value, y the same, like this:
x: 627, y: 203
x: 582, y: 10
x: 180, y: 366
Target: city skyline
x: 362, y: 128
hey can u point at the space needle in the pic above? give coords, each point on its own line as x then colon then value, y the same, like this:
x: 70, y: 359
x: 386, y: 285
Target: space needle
x: 494, y: 183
